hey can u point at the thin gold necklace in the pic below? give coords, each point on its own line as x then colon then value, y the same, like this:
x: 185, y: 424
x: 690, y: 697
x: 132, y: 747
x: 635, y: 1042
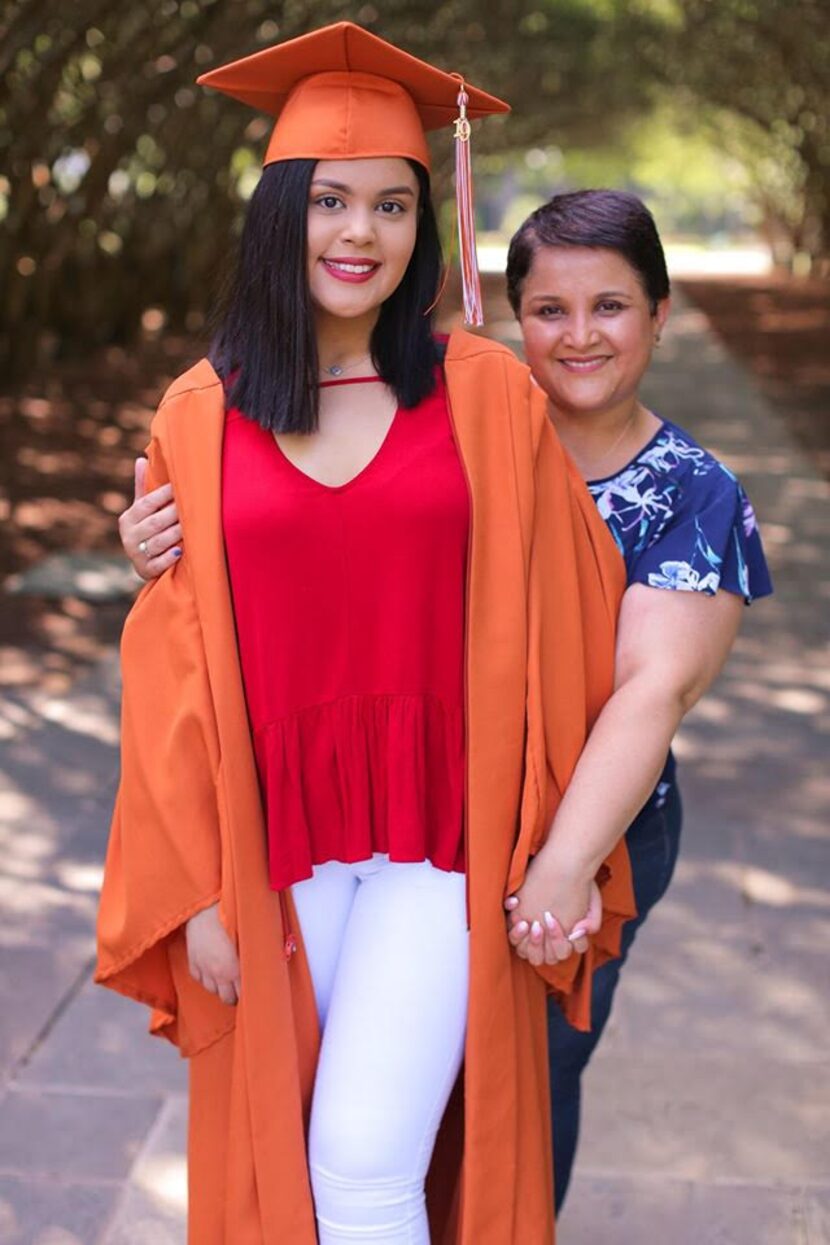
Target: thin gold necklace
x: 617, y: 443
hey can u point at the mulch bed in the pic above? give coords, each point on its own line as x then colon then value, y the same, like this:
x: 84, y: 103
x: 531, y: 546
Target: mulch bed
x: 69, y: 439
x: 66, y: 472
x: 780, y: 330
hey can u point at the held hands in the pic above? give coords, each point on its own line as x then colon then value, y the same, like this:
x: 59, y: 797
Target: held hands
x: 538, y: 935
x: 211, y: 955
x: 149, y: 529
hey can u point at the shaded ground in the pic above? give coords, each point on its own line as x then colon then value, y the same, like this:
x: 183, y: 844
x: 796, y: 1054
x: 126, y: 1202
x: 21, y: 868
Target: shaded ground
x: 65, y: 474
x: 780, y: 330
x: 706, y: 1115
x: 69, y: 440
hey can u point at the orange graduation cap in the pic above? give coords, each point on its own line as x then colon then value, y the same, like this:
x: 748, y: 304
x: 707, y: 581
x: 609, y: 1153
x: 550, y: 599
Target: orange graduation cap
x: 341, y: 93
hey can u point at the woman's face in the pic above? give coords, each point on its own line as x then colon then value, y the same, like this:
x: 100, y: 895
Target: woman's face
x: 587, y: 326
x: 362, y: 224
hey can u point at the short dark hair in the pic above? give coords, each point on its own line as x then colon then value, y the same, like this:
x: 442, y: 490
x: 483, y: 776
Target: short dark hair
x: 265, y: 347
x: 612, y: 219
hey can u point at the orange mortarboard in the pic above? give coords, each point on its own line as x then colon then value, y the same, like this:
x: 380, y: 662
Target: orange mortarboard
x: 341, y: 93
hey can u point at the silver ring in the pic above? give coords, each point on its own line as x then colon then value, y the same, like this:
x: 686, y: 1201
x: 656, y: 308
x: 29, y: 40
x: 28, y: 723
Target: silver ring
x: 142, y: 547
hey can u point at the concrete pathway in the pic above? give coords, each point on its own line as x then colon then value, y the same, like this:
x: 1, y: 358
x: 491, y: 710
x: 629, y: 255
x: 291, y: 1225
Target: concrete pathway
x: 707, y: 1114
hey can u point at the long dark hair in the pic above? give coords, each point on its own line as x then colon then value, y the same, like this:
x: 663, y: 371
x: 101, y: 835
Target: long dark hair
x: 611, y: 219
x: 265, y: 347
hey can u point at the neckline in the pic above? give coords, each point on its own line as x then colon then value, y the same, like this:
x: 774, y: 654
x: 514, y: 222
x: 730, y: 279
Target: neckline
x: 350, y: 380
x: 347, y: 484
x: 647, y: 446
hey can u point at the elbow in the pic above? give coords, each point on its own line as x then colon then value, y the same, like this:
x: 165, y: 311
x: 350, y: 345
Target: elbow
x: 688, y: 693
x: 661, y: 696
x: 680, y: 695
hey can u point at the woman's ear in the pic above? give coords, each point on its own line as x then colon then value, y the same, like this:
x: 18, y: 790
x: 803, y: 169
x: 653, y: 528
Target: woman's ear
x: 661, y: 315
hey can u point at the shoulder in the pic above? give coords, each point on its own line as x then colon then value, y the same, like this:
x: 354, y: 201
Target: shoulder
x: 680, y: 449
x: 196, y: 379
x: 469, y: 348
x: 488, y: 376
x: 675, y: 455
x: 198, y: 386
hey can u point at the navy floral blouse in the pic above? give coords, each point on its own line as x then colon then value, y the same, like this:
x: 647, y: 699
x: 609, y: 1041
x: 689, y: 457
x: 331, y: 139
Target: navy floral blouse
x: 682, y: 522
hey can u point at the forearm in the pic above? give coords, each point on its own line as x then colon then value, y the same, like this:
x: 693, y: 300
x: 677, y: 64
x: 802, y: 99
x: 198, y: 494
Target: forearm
x: 616, y: 773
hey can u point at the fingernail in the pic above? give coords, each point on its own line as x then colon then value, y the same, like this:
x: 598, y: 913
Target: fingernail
x: 521, y: 928
x: 536, y: 931
x: 550, y: 921
x: 578, y: 932
x: 177, y: 553
x: 511, y: 903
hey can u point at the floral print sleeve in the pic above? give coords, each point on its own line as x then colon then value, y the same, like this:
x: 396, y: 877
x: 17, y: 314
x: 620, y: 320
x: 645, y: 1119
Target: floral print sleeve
x: 682, y: 520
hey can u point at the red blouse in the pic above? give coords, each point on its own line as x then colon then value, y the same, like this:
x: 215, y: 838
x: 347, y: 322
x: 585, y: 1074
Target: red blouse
x: 349, y: 605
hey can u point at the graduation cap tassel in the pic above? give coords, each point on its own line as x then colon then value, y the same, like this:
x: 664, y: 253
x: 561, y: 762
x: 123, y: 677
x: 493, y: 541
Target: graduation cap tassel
x: 470, y: 283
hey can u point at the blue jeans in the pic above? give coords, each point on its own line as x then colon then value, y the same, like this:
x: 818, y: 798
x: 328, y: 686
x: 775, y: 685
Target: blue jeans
x: 653, y: 841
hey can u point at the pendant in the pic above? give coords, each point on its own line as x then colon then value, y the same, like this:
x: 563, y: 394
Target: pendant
x: 335, y: 370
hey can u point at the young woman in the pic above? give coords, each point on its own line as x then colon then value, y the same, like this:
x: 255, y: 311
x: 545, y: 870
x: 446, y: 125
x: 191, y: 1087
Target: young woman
x: 351, y: 708
x: 587, y: 280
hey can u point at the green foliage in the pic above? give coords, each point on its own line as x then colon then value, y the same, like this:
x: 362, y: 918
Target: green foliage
x: 760, y: 72
x: 691, y: 183
x: 123, y: 183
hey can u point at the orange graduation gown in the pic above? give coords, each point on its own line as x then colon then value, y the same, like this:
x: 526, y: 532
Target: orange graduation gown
x: 545, y: 582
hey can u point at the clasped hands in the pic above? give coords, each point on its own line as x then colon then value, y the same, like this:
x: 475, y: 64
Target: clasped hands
x: 552, y: 913
x: 536, y: 934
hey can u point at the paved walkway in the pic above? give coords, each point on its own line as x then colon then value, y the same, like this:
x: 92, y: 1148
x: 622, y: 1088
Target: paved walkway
x: 707, y: 1119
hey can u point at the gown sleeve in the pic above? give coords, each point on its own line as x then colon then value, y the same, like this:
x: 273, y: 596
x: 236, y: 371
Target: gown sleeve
x: 577, y: 578
x: 163, y: 859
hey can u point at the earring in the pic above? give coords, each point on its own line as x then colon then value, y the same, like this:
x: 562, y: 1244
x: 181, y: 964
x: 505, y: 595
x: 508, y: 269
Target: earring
x: 657, y: 340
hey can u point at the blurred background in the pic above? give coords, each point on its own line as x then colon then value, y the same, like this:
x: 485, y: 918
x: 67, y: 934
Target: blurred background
x: 122, y: 187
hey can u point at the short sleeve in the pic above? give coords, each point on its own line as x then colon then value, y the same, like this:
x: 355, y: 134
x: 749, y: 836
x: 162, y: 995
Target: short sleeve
x: 711, y: 542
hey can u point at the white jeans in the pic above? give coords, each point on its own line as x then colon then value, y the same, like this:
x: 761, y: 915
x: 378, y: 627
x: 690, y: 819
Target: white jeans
x: 388, y: 948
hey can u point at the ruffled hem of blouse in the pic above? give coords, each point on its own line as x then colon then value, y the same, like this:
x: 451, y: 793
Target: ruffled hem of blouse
x: 363, y: 774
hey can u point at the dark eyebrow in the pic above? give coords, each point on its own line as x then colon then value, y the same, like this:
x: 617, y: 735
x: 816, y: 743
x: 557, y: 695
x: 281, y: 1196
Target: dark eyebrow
x: 390, y: 190
x: 559, y: 297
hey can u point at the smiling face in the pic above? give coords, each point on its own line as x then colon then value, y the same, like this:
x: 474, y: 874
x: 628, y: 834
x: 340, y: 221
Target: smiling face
x: 362, y: 225
x: 588, y: 327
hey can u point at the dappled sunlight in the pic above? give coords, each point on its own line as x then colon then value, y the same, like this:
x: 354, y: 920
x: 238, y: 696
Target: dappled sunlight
x: 81, y: 877
x: 57, y: 779
x: 727, y: 995
x: 797, y: 700
x: 780, y: 328
x: 735, y: 952
x: 85, y: 717
x: 164, y: 1178
x: 12, y: 1230
x: 35, y: 900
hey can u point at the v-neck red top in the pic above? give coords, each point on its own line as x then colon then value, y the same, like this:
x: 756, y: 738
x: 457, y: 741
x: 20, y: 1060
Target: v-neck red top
x: 349, y: 605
